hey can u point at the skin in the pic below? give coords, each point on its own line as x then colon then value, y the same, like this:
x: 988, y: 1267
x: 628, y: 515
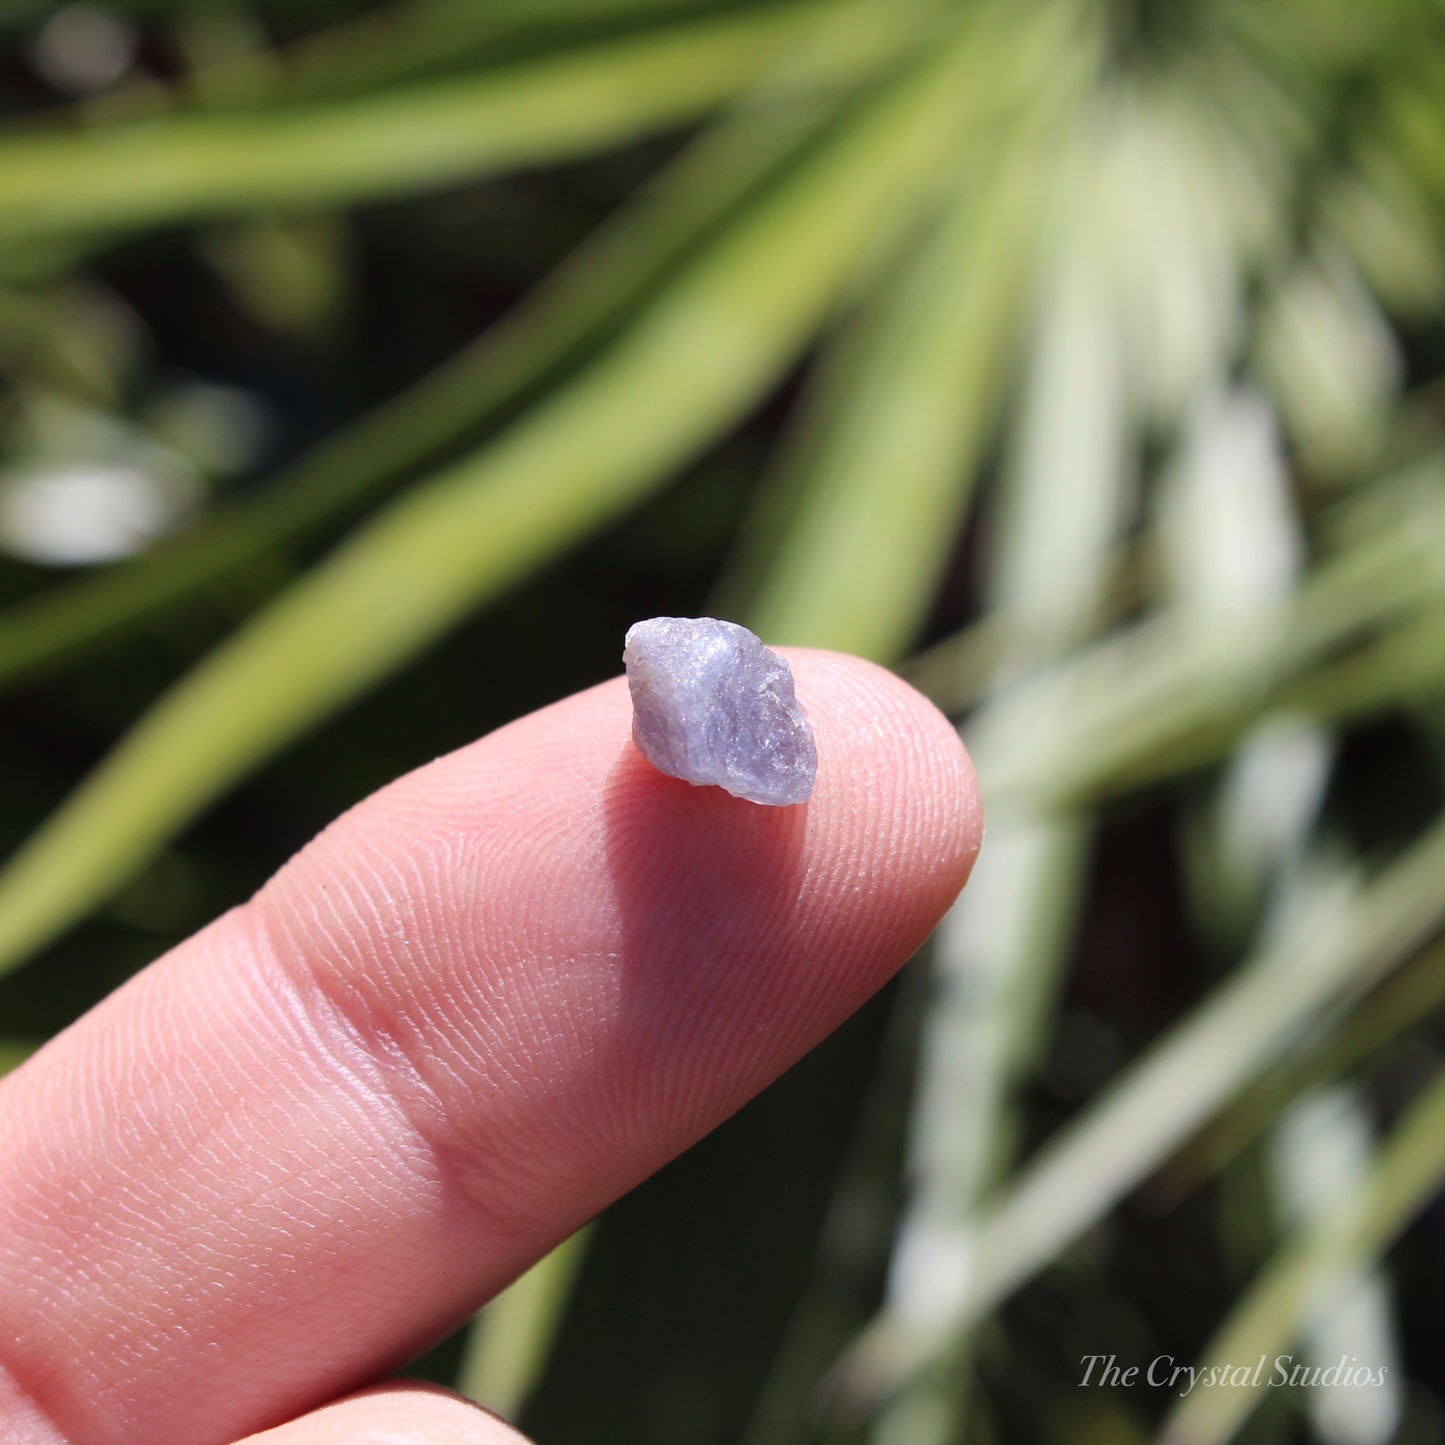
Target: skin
x: 481, y: 1005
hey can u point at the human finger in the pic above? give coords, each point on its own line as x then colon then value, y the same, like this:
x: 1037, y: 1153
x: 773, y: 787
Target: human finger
x: 476, y: 1009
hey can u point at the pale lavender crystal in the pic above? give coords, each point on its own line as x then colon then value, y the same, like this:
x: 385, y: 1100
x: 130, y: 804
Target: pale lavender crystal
x: 711, y: 704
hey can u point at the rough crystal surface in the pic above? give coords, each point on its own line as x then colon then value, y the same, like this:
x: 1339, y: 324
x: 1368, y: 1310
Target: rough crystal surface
x: 711, y: 704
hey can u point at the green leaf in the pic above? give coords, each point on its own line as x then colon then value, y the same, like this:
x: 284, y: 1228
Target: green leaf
x: 846, y: 543
x: 393, y: 142
x: 510, y: 1340
x: 1407, y: 1000
x: 1167, y: 695
x: 566, y: 321
x: 14, y: 1052
x: 687, y: 367
x: 878, y: 487
x: 1350, y: 1233
x: 1335, y: 951
x: 398, y: 41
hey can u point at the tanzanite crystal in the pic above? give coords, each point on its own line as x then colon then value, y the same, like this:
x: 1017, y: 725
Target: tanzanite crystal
x: 711, y: 704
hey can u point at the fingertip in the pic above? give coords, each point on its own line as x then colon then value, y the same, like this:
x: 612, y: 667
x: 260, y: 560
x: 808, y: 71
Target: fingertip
x: 893, y: 774
x: 754, y: 931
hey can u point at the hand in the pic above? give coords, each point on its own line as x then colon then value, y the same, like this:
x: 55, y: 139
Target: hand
x: 481, y: 1005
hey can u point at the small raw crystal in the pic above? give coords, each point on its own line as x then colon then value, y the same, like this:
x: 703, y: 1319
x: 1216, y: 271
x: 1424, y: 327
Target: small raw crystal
x: 711, y: 704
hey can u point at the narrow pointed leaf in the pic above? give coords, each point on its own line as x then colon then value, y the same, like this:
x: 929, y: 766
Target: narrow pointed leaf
x: 684, y: 370
x: 849, y: 538
x: 1351, y: 1232
x: 1339, y: 950
x: 509, y: 1342
x: 556, y: 328
x: 392, y: 142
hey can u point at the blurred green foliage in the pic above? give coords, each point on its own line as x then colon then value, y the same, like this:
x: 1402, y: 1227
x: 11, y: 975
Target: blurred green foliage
x: 367, y: 368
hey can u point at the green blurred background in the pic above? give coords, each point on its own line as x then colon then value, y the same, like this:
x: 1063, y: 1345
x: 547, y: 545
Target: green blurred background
x: 367, y: 369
